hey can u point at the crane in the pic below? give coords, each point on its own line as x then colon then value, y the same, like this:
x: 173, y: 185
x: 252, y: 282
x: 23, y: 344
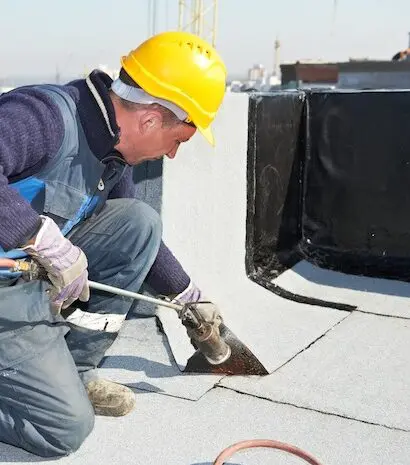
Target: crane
x: 199, y: 17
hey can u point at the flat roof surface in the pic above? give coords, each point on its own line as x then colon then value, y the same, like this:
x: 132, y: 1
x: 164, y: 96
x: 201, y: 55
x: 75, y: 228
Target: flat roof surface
x: 344, y: 399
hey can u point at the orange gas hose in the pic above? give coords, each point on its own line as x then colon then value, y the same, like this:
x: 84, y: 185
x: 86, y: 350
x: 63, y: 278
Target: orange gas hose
x: 228, y: 452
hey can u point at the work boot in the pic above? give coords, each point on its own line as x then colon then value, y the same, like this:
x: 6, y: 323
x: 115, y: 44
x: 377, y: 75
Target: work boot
x: 110, y: 399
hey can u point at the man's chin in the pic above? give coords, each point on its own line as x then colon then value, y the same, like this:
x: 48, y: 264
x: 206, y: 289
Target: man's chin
x: 160, y: 157
x: 142, y: 159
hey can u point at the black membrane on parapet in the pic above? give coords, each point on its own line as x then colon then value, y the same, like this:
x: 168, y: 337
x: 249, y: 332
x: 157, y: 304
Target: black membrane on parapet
x: 329, y: 182
x: 275, y: 146
x: 276, y: 157
x: 356, y: 202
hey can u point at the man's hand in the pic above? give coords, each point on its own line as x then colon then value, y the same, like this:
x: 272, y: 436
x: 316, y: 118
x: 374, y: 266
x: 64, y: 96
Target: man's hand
x: 65, y: 264
x: 205, y: 312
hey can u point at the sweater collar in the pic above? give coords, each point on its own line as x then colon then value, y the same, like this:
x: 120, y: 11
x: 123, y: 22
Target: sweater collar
x: 97, y: 114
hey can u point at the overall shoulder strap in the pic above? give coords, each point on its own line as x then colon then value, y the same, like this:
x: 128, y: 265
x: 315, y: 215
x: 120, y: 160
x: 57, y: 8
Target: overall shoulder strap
x: 68, y: 112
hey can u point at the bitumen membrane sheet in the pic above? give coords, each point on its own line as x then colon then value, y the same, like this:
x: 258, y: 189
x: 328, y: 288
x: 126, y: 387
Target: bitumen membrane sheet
x: 163, y: 430
x: 141, y: 359
x: 371, y: 295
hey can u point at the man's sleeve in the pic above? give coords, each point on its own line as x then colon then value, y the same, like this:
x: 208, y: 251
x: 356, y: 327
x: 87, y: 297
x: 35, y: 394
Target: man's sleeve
x: 31, y: 132
x: 125, y: 188
x: 166, y: 277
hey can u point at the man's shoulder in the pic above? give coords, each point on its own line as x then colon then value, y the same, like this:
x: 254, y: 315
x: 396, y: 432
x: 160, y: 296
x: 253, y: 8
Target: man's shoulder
x: 31, y: 130
x: 34, y: 104
x: 25, y: 95
x: 30, y: 104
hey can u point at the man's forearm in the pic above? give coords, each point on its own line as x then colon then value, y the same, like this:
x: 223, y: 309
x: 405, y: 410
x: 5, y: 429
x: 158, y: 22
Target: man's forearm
x: 18, y: 221
x: 167, y: 277
x: 33, y: 235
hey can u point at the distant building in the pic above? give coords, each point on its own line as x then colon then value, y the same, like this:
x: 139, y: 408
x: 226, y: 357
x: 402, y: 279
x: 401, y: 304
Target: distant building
x: 302, y: 74
x: 257, y: 73
x: 235, y: 86
x: 374, y: 75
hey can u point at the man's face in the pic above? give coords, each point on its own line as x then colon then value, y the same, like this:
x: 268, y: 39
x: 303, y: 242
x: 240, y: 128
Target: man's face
x: 147, y: 138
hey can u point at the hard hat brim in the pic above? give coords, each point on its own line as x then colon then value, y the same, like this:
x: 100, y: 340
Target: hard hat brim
x: 207, y: 133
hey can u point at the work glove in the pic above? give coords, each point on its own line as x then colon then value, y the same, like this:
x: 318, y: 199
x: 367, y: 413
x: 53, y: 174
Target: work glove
x: 197, y: 308
x: 207, y: 310
x: 64, y: 263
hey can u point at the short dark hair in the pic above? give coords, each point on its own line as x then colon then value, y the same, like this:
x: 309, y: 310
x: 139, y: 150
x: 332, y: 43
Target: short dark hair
x: 127, y: 79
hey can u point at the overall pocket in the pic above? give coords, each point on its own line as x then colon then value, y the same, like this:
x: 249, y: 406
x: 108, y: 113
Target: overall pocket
x: 27, y: 326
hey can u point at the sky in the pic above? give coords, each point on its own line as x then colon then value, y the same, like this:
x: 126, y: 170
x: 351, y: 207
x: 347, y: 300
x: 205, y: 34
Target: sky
x: 39, y: 36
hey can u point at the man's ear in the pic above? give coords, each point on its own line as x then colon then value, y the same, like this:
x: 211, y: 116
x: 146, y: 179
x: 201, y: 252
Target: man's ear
x: 150, y: 121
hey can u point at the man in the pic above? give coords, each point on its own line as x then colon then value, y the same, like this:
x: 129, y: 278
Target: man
x: 66, y: 202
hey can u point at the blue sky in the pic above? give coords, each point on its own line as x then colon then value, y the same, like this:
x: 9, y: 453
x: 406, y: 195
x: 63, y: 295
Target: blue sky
x: 36, y: 36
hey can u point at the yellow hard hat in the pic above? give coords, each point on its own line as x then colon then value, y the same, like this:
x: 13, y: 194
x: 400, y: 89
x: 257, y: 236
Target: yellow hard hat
x: 184, y: 69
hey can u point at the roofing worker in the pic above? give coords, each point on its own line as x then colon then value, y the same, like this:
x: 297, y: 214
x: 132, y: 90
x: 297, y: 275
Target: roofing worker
x: 66, y: 202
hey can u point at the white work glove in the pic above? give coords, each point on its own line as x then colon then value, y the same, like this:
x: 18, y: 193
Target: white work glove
x: 65, y: 264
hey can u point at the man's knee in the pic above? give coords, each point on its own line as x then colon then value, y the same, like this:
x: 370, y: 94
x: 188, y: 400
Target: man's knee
x: 145, y: 218
x: 56, y: 433
x: 143, y: 224
x: 78, y: 427
x: 75, y: 426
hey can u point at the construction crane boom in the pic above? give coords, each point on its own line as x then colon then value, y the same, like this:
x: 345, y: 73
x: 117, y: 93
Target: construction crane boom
x: 199, y: 17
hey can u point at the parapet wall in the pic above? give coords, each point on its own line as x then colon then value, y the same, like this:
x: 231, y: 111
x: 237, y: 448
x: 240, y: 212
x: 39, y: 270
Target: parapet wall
x: 329, y: 182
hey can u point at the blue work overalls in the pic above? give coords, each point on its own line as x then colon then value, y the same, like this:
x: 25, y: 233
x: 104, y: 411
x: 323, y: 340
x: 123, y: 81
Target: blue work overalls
x: 44, y: 407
